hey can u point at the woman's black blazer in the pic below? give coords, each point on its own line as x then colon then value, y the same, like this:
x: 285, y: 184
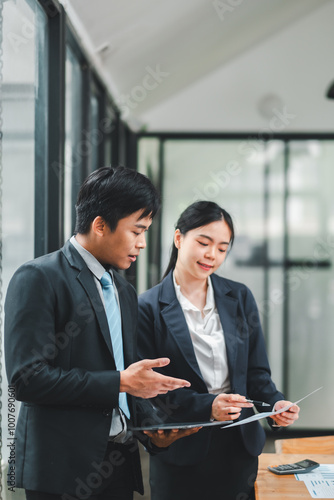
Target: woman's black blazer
x: 163, y: 331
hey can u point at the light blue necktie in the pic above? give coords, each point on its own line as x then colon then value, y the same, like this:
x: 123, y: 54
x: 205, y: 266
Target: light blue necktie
x: 115, y: 328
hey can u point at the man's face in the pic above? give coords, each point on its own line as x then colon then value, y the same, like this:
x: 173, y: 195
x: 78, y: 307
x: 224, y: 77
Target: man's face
x: 121, y: 247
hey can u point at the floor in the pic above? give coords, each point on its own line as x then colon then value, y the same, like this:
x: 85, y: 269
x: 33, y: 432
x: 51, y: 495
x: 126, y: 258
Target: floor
x: 269, y: 448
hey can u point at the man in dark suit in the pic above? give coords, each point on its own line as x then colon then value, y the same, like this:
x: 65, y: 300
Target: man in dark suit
x: 72, y: 437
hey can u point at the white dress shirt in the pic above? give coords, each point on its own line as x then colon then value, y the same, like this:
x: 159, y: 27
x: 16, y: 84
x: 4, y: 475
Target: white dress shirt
x: 208, y: 340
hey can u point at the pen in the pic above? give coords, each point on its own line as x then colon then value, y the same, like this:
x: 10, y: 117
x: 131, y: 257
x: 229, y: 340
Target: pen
x: 258, y: 403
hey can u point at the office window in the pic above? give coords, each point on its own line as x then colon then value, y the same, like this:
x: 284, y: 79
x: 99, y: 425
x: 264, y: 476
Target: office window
x: 148, y: 269
x: 75, y: 143
x: 107, y: 126
x: 279, y: 194
x: 232, y: 174
x: 94, y: 115
x: 310, y: 280
x: 24, y: 142
x: 273, y: 305
x: 95, y: 136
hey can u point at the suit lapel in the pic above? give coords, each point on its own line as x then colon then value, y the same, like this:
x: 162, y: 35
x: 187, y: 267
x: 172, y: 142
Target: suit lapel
x: 86, y: 280
x: 173, y: 316
x: 227, y: 310
x: 176, y: 323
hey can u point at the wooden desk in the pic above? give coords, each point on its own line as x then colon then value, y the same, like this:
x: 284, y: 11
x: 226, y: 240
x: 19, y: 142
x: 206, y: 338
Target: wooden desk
x: 270, y: 486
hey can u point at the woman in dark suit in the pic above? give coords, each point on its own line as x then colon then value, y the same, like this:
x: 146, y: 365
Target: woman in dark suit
x: 210, y: 329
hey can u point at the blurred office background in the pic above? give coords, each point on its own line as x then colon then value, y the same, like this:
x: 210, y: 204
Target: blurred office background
x: 227, y: 101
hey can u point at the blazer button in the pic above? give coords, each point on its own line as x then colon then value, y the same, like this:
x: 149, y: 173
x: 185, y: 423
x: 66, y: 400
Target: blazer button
x: 107, y: 413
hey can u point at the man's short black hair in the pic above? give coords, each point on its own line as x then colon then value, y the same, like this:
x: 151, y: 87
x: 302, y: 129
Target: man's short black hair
x: 114, y: 193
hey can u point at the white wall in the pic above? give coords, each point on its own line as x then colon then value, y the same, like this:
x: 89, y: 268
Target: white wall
x: 296, y: 65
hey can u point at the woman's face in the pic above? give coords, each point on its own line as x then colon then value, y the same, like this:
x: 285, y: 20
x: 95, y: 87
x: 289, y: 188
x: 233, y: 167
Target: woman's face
x: 202, y: 250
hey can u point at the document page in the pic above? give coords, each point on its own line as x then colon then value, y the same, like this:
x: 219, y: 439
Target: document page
x: 266, y: 414
x: 320, y: 483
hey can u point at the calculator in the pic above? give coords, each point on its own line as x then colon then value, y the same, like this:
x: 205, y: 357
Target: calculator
x: 296, y: 468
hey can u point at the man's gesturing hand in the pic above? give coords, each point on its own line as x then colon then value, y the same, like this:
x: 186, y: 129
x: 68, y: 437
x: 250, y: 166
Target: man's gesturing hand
x: 140, y: 380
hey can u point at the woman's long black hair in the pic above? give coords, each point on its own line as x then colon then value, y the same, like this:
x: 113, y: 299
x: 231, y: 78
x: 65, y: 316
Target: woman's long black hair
x: 199, y: 214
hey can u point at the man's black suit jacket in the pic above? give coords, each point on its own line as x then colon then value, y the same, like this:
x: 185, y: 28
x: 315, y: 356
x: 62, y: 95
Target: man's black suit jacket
x: 59, y: 358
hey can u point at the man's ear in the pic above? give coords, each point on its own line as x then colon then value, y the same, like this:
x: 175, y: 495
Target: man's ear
x: 99, y: 226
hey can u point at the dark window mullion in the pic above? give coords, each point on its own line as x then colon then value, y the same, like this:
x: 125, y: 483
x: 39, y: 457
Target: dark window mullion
x: 56, y: 130
x: 285, y: 332
x: 41, y: 138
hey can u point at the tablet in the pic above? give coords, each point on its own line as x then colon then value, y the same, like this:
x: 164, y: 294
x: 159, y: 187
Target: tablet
x: 184, y: 425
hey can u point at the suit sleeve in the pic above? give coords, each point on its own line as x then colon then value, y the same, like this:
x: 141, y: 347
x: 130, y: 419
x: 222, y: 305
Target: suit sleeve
x: 181, y: 405
x: 31, y: 350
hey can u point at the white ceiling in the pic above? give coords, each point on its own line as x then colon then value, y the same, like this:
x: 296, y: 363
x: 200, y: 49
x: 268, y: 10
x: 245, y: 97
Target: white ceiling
x: 213, y: 65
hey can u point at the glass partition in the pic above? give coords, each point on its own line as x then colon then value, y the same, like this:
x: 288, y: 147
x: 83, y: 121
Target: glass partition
x: 310, y: 279
x: 24, y: 97
x: 247, y: 178
x: 220, y: 171
x: 148, y: 273
x: 279, y: 193
x: 74, y: 145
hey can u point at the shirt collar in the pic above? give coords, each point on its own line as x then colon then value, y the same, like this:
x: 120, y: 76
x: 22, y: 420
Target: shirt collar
x: 92, y: 263
x: 187, y: 305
